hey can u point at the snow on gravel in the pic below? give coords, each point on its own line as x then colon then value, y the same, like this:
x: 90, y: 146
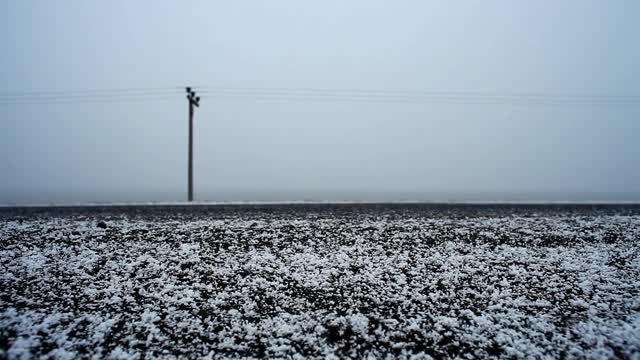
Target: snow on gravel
x: 402, y: 281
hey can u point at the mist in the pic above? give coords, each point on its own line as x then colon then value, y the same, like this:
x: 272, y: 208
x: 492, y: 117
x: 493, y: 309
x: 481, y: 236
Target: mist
x: 282, y: 149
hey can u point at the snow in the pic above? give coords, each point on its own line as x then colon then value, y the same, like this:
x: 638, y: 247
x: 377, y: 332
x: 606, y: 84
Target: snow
x: 325, y: 282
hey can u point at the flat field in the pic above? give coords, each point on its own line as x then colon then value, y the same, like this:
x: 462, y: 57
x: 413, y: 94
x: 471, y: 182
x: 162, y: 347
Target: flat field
x: 325, y: 281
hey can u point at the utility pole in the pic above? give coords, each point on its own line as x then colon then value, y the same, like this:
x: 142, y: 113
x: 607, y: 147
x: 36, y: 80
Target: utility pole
x: 193, y: 101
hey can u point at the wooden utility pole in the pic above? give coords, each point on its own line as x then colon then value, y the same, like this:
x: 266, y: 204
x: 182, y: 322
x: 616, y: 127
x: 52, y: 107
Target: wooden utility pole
x: 193, y: 101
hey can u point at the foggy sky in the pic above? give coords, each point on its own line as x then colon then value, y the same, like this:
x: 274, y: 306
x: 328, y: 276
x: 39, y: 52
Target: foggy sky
x: 251, y: 149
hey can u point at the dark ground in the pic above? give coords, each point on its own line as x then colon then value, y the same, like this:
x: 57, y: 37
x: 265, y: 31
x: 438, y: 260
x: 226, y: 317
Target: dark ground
x: 349, y: 280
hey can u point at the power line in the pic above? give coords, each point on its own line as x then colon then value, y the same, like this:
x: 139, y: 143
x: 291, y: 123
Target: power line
x: 352, y: 99
x: 324, y: 95
x: 379, y: 92
x: 445, y: 99
x: 315, y: 91
x: 444, y: 102
x: 418, y: 97
x: 88, y: 100
x: 174, y: 89
x: 87, y: 96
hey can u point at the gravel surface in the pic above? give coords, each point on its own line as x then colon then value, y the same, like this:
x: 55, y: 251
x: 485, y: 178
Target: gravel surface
x: 325, y: 281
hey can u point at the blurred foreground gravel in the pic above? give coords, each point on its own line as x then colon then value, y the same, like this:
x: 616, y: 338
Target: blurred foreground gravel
x: 326, y: 281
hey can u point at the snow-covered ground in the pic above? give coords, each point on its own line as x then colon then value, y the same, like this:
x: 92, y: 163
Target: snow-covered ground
x: 321, y: 281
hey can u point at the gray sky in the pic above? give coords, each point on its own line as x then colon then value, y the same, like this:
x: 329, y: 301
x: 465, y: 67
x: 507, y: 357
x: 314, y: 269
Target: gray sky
x: 258, y: 149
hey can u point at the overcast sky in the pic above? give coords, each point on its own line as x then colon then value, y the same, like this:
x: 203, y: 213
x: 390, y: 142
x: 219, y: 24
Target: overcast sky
x: 276, y: 149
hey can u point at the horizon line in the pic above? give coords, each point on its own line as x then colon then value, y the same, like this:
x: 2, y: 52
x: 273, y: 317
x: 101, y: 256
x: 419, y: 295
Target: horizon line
x: 323, y: 202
